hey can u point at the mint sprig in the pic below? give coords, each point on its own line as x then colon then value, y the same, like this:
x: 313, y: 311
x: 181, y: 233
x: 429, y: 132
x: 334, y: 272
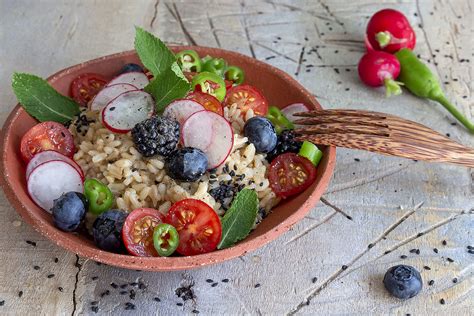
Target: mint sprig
x: 41, y: 101
x: 239, y: 219
x: 153, y: 53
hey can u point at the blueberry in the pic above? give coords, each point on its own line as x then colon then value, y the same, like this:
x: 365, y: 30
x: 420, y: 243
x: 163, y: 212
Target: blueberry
x: 69, y: 211
x: 107, y: 230
x: 186, y: 164
x: 131, y: 68
x: 403, y: 281
x: 261, y: 134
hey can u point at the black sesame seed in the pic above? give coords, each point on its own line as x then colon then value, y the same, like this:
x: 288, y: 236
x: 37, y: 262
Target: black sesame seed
x: 435, y: 250
x: 419, y: 235
x: 129, y: 306
x: 50, y: 276
x: 442, y: 301
x: 413, y: 250
x: 426, y: 268
x: 32, y: 243
x: 56, y: 260
x: 157, y: 299
x: 347, y: 89
x: 2, y: 302
x: 455, y: 280
x: 471, y: 251
x: 257, y: 285
x: 344, y: 267
x: 356, y: 159
x: 269, y: 57
x: 448, y: 135
x: 225, y: 280
x: 179, y: 304
x: 105, y: 293
x: 95, y: 309
x: 387, y: 252
x: 195, y: 311
x: 36, y: 267
x: 314, y: 279
x: 470, y: 247
x: 431, y: 282
x: 449, y: 259
x: 94, y: 278
x: 114, y: 285
x: 444, y: 242
x: 133, y: 294
x: 336, y: 70
x: 20, y: 294
x: 60, y: 289
x: 214, y: 284
x: 141, y: 286
x: 403, y: 257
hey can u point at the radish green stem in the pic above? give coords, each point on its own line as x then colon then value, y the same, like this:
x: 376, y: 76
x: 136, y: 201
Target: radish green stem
x: 392, y: 87
x: 383, y: 38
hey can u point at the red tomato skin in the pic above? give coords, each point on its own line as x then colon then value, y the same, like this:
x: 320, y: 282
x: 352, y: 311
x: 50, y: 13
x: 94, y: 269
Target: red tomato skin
x: 208, y: 101
x: 259, y: 105
x: 47, y: 136
x: 89, y: 84
x: 128, y: 227
x: 207, y: 216
x: 395, y: 23
x: 284, y: 160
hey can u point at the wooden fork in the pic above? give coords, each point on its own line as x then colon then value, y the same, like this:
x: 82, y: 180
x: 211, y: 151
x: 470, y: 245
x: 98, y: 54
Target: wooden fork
x: 381, y: 133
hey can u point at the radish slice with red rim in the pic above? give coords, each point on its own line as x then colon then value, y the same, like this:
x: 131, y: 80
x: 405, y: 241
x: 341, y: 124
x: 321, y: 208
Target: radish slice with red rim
x: 135, y: 78
x: 108, y: 94
x: 49, y: 155
x: 291, y: 109
x: 210, y: 132
x: 180, y: 110
x: 127, y: 110
x: 49, y: 180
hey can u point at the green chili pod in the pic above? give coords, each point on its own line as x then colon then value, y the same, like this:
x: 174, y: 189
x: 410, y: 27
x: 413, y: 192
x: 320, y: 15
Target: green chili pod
x: 418, y: 78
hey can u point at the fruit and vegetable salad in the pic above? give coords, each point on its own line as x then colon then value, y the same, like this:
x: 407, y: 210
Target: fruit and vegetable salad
x: 175, y: 155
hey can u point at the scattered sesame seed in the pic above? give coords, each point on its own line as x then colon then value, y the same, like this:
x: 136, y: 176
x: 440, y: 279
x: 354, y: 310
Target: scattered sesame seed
x: 403, y: 257
x: 32, y: 243
x: 431, y: 282
x: 257, y: 285
x: 356, y: 159
x: 370, y: 246
x: 347, y: 89
x: 344, y: 267
x: 106, y: 292
x: 225, y: 280
x: 56, y: 260
x: 60, y: 289
x: 94, y: 278
x: 129, y: 306
x: 36, y: 267
x: 314, y: 279
x: 269, y: 57
x: 455, y: 280
x: 419, y: 235
x: 426, y: 268
x: 387, y: 252
x: 471, y: 251
x: 157, y: 299
x: 141, y: 286
x: 179, y: 304
x: 95, y: 309
x: 2, y: 302
x: 214, y: 284
x: 442, y: 301
x: 113, y: 285
x: 449, y: 259
x: 435, y: 250
x: 20, y: 294
x: 195, y: 311
x: 444, y: 242
x: 50, y: 276
x: 133, y: 294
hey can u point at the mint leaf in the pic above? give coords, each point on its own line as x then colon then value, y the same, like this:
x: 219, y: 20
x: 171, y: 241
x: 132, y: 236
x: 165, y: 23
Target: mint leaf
x: 239, y: 219
x: 153, y: 53
x: 168, y: 86
x: 41, y: 101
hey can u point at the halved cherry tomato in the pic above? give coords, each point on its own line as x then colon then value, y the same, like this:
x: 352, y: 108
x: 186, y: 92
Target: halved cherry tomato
x: 209, y: 102
x: 290, y: 174
x: 86, y: 86
x: 137, y: 231
x: 198, y: 226
x: 47, y: 136
x: 228, y: 84
x: 247, y: 97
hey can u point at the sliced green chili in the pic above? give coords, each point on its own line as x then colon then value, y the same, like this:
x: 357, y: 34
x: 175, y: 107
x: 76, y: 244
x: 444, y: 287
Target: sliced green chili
x: 279, y: 120
x: 235, y: 74
x: 210, y: 83
x: 311, y: 152
x: 418, y: 78
x: 189, y: 60
x: 99, y: 196
x: 215, y: 65
x: 165, y: 239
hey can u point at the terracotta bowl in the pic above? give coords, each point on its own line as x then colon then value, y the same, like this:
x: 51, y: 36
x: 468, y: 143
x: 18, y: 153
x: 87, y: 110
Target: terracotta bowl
x: 278, y: 87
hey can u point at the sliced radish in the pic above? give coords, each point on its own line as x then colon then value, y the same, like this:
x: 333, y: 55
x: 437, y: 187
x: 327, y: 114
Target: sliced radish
x: 181, y: 110
x: 49, y: 180
x: 210, y: 132
x: 126, y: 110
x: 135, y: 78
x: 49, y: 155
x: 291, y: 109
x: 108, y: 94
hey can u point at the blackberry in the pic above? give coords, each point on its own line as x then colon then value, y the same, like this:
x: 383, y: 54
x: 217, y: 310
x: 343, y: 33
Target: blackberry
x: 285, y: 144
x: 156, y: 135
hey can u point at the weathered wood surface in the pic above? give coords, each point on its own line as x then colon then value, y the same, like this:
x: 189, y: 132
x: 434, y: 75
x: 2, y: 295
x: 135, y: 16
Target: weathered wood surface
x: 300, y: 272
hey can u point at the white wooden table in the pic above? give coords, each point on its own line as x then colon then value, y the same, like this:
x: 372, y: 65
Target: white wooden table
x: 320, y: 43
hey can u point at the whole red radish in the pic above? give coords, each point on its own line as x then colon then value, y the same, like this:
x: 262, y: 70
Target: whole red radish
x: 390, y: 31
x: 377, y: 68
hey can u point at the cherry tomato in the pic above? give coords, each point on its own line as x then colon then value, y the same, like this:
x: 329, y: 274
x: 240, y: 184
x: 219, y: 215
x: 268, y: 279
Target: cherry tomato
x: 138, y: 229
x: 290, y: 174
x: 47, y: 136
x: 228, y: 84
x: 198, y: 226
x: 209, y: 102
x: 247, y: 97
x: 86, y: 86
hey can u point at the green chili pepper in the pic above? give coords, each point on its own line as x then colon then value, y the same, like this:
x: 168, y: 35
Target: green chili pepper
x: 165, y: 239
x: 311, y: 152
x: 418, y: 78
x: 234, y: 74
x: 279, y: 120
x: 210, y: 83
x: 99, y: 196
x: 189, y: 60
x: 215, y: 65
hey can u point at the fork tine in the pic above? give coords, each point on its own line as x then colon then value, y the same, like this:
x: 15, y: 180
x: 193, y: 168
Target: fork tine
x: 335, y: 112
x: 330, y: 128
x: 342, y: 119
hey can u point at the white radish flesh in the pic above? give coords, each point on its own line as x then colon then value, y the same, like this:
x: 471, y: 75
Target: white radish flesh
x: 50, y: 180
x: 291, y: 109
x: 135, y: 78
x: 181, y: 110
x: 49, y: 155
x: 108, y: 94
x: 126, y: 110
x: 210, y: 132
